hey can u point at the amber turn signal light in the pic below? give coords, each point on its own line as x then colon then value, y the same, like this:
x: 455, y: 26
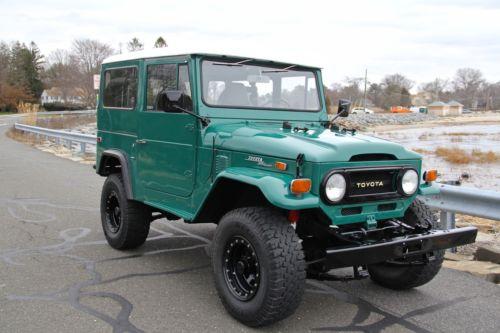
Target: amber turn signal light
x: 430, y: 175
x: 280, y: 166
x: 301, y: 185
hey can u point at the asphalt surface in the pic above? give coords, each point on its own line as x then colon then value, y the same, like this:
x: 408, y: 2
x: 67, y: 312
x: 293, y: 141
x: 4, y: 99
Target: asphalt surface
x: 57, y: 274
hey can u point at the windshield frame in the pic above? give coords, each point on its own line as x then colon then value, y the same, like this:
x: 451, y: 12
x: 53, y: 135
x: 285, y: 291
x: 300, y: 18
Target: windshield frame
x: 264, y: 63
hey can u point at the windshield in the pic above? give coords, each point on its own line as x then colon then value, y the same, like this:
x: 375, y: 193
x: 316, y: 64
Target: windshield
x: 242, y: 85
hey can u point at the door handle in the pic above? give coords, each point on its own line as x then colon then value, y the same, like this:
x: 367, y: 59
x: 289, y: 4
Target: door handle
x: 141, y: 142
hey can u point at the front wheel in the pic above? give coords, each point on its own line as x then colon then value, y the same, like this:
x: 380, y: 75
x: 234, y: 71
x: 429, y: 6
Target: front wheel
x: 258, y: 265
x: 400, y: 274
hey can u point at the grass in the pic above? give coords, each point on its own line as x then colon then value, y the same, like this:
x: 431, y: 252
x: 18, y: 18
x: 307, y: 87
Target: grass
x: 460, y: 133
x: 64, y: 122
x: 485, y: 157
x: 3, y: 113
x: 453, y: 155
x: 422, y: 151
x: 460, y: 156
x: 27, y: 138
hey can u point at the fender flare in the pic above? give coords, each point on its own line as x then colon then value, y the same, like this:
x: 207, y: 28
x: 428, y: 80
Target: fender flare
x: 125, y: 169
x: 273, y: 185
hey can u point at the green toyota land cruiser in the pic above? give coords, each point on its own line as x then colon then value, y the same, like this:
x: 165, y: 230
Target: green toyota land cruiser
x: 247, y: 144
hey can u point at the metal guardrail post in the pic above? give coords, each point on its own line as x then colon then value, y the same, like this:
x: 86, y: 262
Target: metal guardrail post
x: 447, y: 221
x: 83, y: 147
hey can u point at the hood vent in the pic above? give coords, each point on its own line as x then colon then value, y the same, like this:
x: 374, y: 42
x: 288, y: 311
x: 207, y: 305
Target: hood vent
x: 372, y: 157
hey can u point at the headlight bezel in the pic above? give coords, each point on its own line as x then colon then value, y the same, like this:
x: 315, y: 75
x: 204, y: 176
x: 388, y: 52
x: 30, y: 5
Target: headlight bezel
x: 399, y: 182
x: 325, y: 181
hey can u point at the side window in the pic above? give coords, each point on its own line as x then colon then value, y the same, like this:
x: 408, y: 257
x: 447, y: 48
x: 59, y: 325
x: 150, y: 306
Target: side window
x: 120, y: 88
x: 162, y: 78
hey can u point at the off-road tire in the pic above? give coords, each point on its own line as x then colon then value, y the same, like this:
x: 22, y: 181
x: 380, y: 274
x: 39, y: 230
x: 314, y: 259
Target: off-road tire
x: 281, y: 260
x: 406, y: 276
x: 135, y: 216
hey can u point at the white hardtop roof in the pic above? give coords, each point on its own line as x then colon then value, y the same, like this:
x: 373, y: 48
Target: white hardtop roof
x: 167, y: 52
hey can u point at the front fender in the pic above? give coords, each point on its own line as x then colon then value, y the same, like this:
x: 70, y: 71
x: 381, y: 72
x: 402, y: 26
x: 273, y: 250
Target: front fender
x: 273, y: 185
x: 428, y: 189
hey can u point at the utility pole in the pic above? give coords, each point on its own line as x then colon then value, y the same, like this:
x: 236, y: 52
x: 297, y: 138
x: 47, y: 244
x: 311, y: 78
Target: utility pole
x: 364, y: 99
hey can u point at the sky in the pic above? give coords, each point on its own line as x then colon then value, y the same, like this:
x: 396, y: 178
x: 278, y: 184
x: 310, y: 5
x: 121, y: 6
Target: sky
x: 420, y: 39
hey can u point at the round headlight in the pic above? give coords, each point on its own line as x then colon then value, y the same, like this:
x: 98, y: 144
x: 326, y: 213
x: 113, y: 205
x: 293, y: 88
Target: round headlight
x: 335, y: 187
x: 409, y: 182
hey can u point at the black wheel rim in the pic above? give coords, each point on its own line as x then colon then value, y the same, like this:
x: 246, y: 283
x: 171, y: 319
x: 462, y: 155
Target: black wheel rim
x: 113, y: 212
x: 241, y: 268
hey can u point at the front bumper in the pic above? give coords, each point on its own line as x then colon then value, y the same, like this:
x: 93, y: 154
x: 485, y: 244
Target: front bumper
x: 400, y: 248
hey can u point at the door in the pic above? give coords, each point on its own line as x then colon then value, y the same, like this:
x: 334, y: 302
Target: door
x: 166, y: 140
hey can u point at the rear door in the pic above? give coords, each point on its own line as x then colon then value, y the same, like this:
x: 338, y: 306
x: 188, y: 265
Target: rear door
x: 166, y: 140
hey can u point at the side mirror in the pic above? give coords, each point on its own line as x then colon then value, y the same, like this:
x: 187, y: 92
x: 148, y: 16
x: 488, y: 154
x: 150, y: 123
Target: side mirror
x: 344, y: 108
x: 169, y: 101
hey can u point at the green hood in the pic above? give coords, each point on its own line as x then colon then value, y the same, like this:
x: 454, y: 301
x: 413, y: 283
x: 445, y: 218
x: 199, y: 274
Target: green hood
x: 318, y: 144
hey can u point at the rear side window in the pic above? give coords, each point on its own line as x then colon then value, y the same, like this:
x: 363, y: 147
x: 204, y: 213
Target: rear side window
x: 120, y: 88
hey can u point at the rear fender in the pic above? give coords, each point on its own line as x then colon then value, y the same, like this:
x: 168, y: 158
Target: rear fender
x: 121, y: 157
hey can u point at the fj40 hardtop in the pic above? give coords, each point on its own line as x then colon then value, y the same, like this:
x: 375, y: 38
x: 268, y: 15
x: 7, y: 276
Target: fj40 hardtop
x: 247, y: 144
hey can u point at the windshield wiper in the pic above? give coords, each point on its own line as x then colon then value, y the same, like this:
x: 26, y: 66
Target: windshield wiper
x: 232, y: 64
x: 282, y: 70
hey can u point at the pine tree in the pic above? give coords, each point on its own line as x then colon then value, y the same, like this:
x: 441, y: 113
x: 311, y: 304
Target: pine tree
x: 135, y: 45
x: 160, y: 42
x: 26, y: 68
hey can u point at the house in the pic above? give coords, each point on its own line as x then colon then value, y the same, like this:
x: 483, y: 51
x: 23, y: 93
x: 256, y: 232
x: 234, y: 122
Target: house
x: 60, y: 96
x: 438, y: 109
x: 455, y: 108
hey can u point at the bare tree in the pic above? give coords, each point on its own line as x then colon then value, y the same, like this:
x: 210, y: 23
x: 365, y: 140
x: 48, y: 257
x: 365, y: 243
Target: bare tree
x: 135, y: 45
x: 398, y: 80
x: 63, y: 72
x: 160, y: 42
x: 466, y: 84
x: 436, y: 88
x: 88, y: 56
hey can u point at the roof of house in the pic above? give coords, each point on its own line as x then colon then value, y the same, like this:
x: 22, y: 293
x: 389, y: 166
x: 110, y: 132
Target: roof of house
x: 167, y: 52
x: 455, y: 103
x: 438, y: 103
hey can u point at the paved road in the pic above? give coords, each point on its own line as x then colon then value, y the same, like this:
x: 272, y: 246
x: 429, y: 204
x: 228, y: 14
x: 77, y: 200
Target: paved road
x: 57, y: 274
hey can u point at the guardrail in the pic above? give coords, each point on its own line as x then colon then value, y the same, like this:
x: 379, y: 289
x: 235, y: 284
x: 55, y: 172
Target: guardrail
x: 464, y: 200
x: 60, y: 136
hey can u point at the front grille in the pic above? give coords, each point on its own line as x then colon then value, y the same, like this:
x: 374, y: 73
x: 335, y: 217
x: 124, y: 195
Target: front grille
x: 386, y: 207
x: 372, y: 157
x: 369, y: 184
x: 371, y: 181
x: 351, y: 211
